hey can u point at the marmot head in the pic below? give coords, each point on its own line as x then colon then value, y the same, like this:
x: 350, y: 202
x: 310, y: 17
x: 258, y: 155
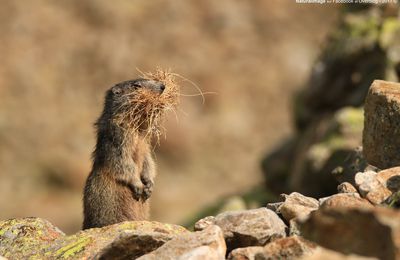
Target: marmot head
x: 138, y: 105
x: 130, y: 86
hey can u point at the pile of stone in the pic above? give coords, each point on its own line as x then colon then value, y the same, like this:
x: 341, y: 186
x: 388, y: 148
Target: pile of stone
x: 360, y: 221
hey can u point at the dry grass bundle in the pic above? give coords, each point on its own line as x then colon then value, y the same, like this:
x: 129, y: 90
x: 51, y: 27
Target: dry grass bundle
x: 143, y: 110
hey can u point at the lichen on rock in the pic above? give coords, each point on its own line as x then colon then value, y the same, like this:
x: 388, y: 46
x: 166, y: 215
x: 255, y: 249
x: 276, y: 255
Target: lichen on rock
x: 37, y: 238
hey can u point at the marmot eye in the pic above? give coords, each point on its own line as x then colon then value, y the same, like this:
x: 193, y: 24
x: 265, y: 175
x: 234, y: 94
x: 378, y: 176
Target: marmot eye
x: 116, y: 91
x: 136, y: 85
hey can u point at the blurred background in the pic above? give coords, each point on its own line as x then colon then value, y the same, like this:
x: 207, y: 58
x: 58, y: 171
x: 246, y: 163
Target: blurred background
x: 276, y: 68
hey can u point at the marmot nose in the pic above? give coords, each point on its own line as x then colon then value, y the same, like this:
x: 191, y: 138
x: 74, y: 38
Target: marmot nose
x: 162, y: 87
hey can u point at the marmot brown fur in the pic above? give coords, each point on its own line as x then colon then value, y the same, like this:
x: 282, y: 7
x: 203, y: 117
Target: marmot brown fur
x: 122, y: 177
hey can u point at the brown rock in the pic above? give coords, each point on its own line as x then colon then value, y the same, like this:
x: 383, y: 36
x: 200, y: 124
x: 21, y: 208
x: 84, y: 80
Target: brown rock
x: 297, y: 205
x: 373, y: 232
x: 284, y: 248
x: 390, y: 182
x: 390, y: 178
x: 381, y: 139
x: 38, y: 239
x: 203, y: 223
x: 371, y: 187
x: 206, y: 244
x: 346, y: 187
x: 378, y: 196
x: 244, y: 228
x: 326, y: 254
x: 378, y: 187
x: 348, y: 200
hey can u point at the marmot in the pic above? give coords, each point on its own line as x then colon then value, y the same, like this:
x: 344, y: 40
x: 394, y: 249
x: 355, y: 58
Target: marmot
x: 122, y: 177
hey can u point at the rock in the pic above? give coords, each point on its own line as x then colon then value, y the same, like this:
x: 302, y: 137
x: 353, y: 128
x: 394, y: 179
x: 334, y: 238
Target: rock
x: 390, y: 178
x: 371, y: 187
x: 373, y: 232
x: 204, y: 222
x: 326, y: 254
x: 381, y: 140
x: 132, y: 239
x: 378, y: 187
x: 346, y: 187
x: 348, y: 200
x: 274, y: 206
x: 244, y: 228
x: 26, y: 237
x: 297, y: 206
x: 37, y: 238
x: 284, y: 248
x: 294, y: 227
x: 206, y: 244
x: 366, y: 182
x: 377, y: 197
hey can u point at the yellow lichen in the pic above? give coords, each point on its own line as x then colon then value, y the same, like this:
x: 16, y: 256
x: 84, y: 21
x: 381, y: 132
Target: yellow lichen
x: 2, y: 231
x: 73, y: 248
x: 127, y: 225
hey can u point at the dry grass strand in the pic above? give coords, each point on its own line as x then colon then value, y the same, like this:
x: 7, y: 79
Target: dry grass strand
x: 143, y: 110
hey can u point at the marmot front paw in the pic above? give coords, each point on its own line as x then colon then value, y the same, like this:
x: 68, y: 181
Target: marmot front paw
x: 137, y: 190
x: 148, y: 188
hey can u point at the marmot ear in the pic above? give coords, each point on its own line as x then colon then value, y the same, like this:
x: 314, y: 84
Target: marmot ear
x: 116, y: 90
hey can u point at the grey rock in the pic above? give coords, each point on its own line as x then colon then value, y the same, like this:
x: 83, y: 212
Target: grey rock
x: 244, y: 228
x: 297, y: 205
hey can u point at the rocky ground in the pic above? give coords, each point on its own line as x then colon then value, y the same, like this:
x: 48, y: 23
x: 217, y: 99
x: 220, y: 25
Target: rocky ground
x: 360, y: 221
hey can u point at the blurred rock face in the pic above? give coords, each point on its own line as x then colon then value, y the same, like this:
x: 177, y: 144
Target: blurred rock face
x: 58, y: 58
x: 382, y: 115
x: 329, y: 122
